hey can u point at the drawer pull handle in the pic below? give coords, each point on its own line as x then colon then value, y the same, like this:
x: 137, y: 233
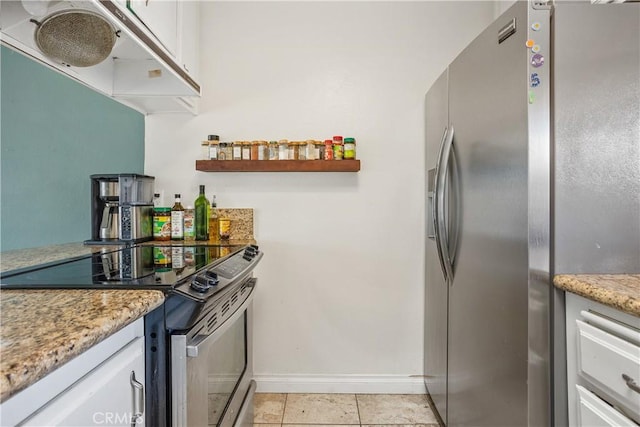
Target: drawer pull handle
x: 631, y: 383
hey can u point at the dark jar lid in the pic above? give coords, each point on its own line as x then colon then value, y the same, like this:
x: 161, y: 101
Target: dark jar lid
x: 213, y: 138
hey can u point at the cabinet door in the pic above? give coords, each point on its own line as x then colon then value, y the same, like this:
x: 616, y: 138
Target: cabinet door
x: 189, y: 37
x: 160, y: 17
x: 111, y: 394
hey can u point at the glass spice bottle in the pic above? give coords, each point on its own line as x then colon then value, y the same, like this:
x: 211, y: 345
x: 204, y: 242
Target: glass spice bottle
x: 319, y: 150
x: 328, y: 149
x: 349, y: 148
x: 283, y: 149
x: 310, y: 150
x: 246, y: 150
x: 214, y: 146
x: 302, y: 150
x: 204, y: 148
x: 273, y: 150
x: 255, y: 148
x: 290, y: 155
x: 237, y: 150
x: 338, y: 148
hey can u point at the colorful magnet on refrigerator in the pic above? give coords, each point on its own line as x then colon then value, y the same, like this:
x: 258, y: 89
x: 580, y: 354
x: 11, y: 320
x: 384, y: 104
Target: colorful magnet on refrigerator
x: 537, y: 60
x: 530, y: 43
x: 532, y: 97
x: 534, y: 80
x: 536, y: 26
x: 535, y: 48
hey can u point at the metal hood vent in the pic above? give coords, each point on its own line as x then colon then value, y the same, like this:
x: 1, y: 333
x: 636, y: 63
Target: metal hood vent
x: 75, y: 37
x: 102, y: 45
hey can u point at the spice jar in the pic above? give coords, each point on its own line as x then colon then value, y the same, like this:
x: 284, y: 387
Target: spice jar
x: 310, y: 150
x: 161, y: 224
x: 204, y: 148
x: 263, y: 150
x: 237, y: 150
x: 328, y: 149
x: 294, y: 150
x: 349, y: 148
x: 225, y: 151
x: 255, y: 148
x: 214, y: 146
x: 283, y: 149
x: 246, y: 150
x: 319, y: 147
x: 302, y: 150
x: 273, y: 150
x: 338, y: 148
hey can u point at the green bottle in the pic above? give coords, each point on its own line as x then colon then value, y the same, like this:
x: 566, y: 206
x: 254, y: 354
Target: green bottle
x: 202, y: 216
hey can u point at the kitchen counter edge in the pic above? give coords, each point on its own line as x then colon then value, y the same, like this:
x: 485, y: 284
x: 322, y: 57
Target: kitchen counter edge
x: 43, y: 329
x: 619, y: 291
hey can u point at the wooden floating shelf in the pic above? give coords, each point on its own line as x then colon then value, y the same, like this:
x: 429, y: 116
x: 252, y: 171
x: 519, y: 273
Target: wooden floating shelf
x: 278, y: 165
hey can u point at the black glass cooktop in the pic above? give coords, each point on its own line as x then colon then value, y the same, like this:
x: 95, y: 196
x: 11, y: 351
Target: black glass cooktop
x: 139, y: 267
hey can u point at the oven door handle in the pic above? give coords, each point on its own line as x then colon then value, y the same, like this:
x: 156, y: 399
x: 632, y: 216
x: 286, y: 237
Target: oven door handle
x: 193, y: 347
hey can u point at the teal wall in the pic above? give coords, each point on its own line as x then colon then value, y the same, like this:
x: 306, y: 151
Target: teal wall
x: 56, y: 132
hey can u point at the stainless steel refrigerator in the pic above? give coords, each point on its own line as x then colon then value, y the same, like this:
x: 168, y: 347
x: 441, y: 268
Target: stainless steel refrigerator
x: 533, y: 169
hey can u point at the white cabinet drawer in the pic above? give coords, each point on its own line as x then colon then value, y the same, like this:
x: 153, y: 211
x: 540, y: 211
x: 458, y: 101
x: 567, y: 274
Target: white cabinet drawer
x: 594, y: 412
x: 603, y: 359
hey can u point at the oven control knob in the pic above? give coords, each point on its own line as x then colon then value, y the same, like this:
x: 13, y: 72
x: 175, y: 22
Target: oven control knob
x: 254, y: 247
x: 200, y: 284
x: 211, y: 277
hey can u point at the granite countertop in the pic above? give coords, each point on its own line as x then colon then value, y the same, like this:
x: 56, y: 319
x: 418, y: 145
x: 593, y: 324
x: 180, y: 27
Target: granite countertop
x: 21, y: 258
x: 620, y: 291
x: 43, y: 329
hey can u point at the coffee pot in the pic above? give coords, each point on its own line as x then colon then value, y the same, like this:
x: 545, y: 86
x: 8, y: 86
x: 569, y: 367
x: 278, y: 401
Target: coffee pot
x: 121, y: 208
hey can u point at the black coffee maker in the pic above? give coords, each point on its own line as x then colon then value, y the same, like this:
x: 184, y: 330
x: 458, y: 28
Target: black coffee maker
x: 121, y: 208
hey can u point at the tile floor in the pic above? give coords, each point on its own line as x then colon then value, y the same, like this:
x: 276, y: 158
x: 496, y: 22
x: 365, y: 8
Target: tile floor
x: 291, y: 410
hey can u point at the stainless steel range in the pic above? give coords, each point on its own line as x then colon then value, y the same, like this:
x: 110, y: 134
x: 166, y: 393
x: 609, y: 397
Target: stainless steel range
x: 198, y: 343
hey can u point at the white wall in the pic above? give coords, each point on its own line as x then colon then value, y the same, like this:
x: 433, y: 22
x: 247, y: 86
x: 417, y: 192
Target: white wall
x: 340, y: 299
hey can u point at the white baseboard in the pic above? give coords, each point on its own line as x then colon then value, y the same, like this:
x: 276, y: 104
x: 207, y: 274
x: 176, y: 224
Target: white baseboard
x: 365, y: 384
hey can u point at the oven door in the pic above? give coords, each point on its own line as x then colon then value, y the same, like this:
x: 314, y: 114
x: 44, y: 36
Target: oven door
x: 212, y: 374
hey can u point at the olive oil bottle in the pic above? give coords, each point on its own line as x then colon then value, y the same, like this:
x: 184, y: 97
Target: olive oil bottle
x: 202, y: 216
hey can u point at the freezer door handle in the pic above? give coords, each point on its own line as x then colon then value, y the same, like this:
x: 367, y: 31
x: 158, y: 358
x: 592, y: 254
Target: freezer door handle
x: 442, y: 237
x: 434, y: 213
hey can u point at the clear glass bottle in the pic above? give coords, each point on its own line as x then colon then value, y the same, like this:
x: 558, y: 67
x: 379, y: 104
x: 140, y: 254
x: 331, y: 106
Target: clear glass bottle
x: 214, y: 146
x: 273, y: 150
x: 246, y: 150
x: 202, y: 216
x: 237, y: 150
x: 214, y: 225
x: 294, y: 152
x: 283, y: 149
x: 204, y: 148
x: 177, y: 220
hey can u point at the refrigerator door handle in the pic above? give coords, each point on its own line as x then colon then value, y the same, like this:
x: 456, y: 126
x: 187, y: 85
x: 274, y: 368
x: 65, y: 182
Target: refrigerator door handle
x: 442, y: 236
x: 435, y: 214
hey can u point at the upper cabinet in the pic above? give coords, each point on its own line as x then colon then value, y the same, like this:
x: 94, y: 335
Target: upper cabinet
x: 161, y: 18
x: 153, y: 64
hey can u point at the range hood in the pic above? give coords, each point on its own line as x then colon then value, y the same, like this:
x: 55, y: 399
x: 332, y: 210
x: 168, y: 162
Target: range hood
x: 138, y: 71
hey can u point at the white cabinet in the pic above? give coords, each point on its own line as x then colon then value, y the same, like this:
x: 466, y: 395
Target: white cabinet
x: 102, y: 386
x: 113, y: 394
x: 603, y: 364
x: 161, y: 18
x: 189, y: 37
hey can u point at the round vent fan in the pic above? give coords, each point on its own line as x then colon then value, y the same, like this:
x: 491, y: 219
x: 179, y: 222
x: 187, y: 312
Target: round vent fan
x: 80, y: 38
